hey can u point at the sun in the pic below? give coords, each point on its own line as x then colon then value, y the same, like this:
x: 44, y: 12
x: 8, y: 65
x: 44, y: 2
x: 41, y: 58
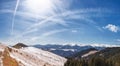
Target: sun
x: 39, y: 6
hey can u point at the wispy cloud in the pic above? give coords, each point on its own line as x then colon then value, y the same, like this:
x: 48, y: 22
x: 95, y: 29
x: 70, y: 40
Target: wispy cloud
x: 14, y: 14
x: 74, y: 31
x: 118, y: 40
x: 56, y: 19
x: 61, y: 18
x: 53, y: 32
x: 6, y: 11
x: 112, y: 28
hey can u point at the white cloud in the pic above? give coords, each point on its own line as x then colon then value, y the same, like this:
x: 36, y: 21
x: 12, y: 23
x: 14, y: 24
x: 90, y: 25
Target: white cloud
x: 103, y: 45
x: 112, y: 28
x: 95, y: 45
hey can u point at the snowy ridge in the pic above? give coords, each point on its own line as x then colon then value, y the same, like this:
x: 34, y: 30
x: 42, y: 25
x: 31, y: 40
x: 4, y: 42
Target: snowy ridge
x: 31, y: 56
x: 28, y: 56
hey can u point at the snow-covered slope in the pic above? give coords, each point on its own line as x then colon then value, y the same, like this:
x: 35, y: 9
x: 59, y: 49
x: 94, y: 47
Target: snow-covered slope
x: 30, y: 56
x: 89, y: 53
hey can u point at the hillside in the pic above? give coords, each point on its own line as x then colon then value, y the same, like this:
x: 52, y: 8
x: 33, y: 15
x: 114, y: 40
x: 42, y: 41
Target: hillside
x: 107, y: 57
x: 28, y: 56
x: 85, y: 53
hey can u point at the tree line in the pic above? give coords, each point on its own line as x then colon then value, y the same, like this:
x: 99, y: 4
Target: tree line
x: 95, y: 61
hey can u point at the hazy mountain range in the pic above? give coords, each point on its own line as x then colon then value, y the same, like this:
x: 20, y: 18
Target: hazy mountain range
x: 65, y: 50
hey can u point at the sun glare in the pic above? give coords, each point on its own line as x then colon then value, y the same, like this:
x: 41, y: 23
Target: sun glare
x: 39, y: 6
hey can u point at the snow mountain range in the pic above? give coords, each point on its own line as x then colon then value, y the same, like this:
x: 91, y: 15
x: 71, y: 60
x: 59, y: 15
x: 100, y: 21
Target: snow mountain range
x: 65, y: 50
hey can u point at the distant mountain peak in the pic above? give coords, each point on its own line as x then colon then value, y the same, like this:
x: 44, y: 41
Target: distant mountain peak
x: 19, y: 45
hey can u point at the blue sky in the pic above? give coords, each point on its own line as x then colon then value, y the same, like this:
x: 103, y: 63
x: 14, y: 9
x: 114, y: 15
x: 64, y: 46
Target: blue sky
x: 94, y: 22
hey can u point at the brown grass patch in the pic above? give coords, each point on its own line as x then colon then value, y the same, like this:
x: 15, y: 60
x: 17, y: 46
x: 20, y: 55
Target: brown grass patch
x: 7, y: 60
